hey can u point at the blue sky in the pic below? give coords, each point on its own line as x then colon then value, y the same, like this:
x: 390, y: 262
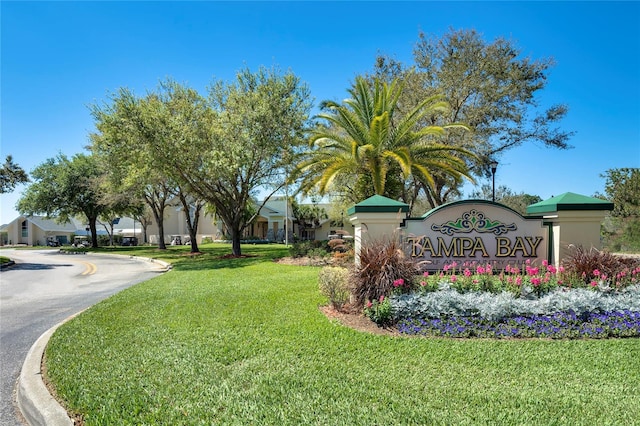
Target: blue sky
x: 59, y: 57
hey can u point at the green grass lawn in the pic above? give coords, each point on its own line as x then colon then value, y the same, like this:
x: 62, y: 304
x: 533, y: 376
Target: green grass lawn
x: 241, y: 341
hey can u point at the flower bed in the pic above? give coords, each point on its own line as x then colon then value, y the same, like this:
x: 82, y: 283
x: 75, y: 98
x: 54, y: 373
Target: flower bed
x: 561, y: 325
x: 471, y: 300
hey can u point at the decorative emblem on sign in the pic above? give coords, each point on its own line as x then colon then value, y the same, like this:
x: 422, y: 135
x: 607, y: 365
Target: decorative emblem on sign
x: 474, y: 220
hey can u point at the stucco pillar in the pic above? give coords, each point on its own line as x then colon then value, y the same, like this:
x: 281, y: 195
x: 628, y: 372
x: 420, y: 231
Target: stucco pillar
x: 575, y: 228
x: 375, y: 218
x: 575, y: 221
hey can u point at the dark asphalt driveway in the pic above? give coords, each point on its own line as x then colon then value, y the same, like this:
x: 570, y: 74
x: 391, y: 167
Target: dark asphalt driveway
x: 45, y: 287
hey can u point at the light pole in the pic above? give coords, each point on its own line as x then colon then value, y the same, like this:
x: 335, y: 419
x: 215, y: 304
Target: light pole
x: 286, y: 214
x: 494, y: 166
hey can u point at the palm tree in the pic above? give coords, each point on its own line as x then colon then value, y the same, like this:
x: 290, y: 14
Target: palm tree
x: 368, y: 135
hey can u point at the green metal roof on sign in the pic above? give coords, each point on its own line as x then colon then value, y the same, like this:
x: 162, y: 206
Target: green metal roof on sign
x: 569, y: 201
x: 379, y: 204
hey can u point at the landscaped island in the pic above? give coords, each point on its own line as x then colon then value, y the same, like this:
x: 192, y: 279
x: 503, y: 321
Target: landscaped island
x: 592, y: 295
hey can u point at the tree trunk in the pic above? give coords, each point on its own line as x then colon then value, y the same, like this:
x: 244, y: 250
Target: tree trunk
x: 157, y: 203
x: 235, y: 241
x: 192, y: 224
x: 161, y: 243
x: 94, y: 232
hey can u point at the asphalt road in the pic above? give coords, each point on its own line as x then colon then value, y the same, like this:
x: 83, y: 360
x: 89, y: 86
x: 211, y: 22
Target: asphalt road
x: 43, y: 288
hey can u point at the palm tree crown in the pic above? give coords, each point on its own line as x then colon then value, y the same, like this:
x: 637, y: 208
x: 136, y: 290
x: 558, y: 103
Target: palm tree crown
x: 367, y: 134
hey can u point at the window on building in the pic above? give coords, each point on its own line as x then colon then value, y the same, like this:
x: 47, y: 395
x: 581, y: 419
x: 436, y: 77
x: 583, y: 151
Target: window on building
x: 25, y: 228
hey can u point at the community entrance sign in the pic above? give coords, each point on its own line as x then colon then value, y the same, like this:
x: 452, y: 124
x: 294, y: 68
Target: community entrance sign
x: 475, y: 231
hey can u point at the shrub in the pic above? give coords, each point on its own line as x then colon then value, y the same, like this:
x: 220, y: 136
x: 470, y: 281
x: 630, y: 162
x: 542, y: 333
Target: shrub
x: 317, y: 252
x: 343, y: 259
x: 334, y: 283
x: 307, y: 248
x: 450, y: 303
x: 379, y: 311
x: 382, y: 262
x: 594, y: 266
x: 340, y: 245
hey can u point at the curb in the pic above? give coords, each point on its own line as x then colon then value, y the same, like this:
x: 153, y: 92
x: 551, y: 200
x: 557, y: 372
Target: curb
x: 166, y: 265
x: 33, y: 398
x: 34, y: 401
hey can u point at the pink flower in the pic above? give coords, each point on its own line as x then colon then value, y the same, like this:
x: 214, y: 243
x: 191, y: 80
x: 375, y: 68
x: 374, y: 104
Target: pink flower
x: 369, y: 304
x: 596, y: 272
x: 422, y: 283
x: 532, y: 271
x: 593, y: 283
x: 480, y: 270
x: 535, y: 281
x: 545, y: 262
x: 398, y: 283
x: 426, y: 274
x: 454, y: 278
x: 381, y: 298
x: 467, y: 272
x: 518, y: 280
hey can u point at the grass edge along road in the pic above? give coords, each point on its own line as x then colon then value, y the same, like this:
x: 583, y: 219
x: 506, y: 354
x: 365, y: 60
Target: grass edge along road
x: 241, y: 341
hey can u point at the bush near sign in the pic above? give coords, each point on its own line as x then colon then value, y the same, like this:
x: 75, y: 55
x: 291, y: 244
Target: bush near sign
x: 475, y: 231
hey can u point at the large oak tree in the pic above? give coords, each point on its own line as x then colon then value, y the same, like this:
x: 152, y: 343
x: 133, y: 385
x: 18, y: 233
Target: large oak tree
x: 11, y: 175
x: 240, y: 141
x: 221, y: 149
x: 66, y: 187
x: 490, y: 86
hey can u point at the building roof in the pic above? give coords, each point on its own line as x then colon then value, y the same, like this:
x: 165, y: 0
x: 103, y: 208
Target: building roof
x: 379, y: 204
x: 50, y: 225
x: 569, y: 201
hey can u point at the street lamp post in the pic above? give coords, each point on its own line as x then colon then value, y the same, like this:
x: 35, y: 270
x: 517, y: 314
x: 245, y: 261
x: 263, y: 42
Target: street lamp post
x: 494, y: 166
x: 286, y: 214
